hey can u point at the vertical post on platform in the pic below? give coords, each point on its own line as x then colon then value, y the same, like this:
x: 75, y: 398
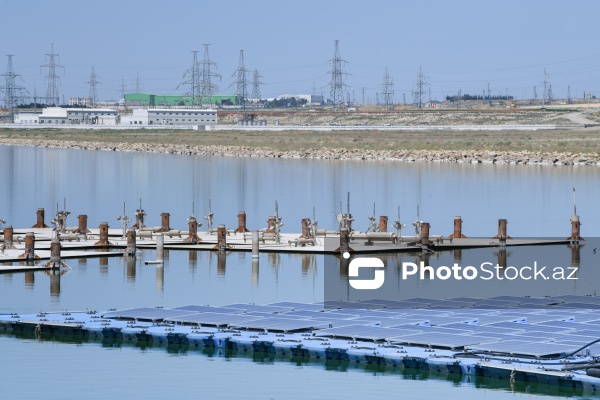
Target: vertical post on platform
x: 383, y: 221
x: 103, y: 236
x: 502, y: 236
x: 306, y: 232
x: 241, y: 223
x: 55, y: 261
x: 82, y: 224
x: 40, y: 219
x: 165, y: 217
x: 457, y: 234
x: 192, y: 230
x: 575, y: 230
x: 8, y: 237
x: 160, y: 247
x: 424, y: 238
x: 29, y: 254
x: 221, y: 237
x: 131, y: 242
x: 255, y: 244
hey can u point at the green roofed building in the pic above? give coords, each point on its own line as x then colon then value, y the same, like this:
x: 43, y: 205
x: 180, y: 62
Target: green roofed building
x: 159, y: 100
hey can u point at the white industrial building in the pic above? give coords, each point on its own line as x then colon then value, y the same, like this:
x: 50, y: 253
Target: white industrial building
x: 170, y: 116
x: 66, y: 116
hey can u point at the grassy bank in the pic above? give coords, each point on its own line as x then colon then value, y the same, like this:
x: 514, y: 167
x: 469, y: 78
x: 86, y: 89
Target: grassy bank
x: 550, y: 141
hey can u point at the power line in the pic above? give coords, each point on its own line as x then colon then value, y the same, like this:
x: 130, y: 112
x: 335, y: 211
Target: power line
x: 52, y: 97
x: 337, y: 83
x: 10, y: 89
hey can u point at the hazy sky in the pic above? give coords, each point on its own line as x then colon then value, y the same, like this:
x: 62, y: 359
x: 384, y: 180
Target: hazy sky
x: 460, y: 44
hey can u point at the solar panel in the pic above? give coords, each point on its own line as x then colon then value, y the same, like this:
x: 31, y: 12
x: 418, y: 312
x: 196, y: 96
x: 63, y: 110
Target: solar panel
x: 298, y: 306
x: 148, y: 314
x: 222, y: 310
x: 521, y: 347
x: 441, y: 340
x: 281, y: 324
x: 213, y: 319
x: 258, y: 308
x: 363, y: 332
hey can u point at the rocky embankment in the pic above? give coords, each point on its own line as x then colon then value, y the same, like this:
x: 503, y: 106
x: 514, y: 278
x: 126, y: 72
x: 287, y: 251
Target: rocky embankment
x: 465, y: 156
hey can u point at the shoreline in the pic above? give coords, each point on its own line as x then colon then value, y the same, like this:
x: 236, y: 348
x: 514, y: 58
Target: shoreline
x: 325, y: 153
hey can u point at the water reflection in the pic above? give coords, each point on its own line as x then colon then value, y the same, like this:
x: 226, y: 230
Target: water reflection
x: 130, y: 262
x: 29, y: 280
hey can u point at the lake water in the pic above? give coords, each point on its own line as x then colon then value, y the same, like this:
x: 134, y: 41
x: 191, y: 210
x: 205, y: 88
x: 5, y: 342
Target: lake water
x: 536, y: 200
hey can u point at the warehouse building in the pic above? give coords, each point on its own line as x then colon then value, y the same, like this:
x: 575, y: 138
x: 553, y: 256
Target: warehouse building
x: 64, y: 116
x: 155, y: 100
x: 170, y: 116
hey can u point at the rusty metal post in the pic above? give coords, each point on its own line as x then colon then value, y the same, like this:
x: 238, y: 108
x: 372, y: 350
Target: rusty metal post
x: 457, y: 234
x: 424, y: 238
x: 165, y: 217
x: 55, y: 261
x: 306, y: 232
x: 502, y: 223
x: 131, y: 242
x: 103, y: 237
x: 29, y: 254
x: 82, y: 224
x: 344, y: 240
x: 383, y: 220
x: 192, y: 231
x: 575, y: 229
x: 40, y: 219
x: 8, y: 237
x: 241, y: 223
x: 221, y: 238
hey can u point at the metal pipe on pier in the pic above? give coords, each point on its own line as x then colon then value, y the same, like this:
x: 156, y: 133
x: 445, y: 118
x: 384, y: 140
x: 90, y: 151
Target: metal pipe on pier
x: 103, y: 237
x: 241, y: 223
x: 40, y: 219
x: 8, y: 237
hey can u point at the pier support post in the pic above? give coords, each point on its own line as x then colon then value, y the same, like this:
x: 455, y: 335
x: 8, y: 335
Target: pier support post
x: 40, y: 219
x: 255, y: 244
x: 457, y: 234
x: 241, y: 223
x: 55, y: 260
x: 424, y: 238
x: 131, y: 242
x: 165, y: 217
x: 221, y: 238
x: 344, y: 241
x: 82, y: 224
x: 29, y: 254
x: 383, y: 221
x: 103, y: 237
x: 575, y: 229
x: 502, y: 223
x: 193, y: 231
x: 8, y: 237
x: 306, y: 231
x: 160, y: 247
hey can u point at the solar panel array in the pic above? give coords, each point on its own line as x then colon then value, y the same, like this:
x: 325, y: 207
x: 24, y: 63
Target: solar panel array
x: 531, y: 331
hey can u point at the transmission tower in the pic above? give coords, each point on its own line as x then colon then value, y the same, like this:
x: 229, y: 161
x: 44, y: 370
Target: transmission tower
x: 489, y: 95
x: 93, y: 82
x: 241, y: 83
x: 550, y: 94
x: 534, y: 92
x: 10, y: 89
x: 569, y: 98
x: 337, y: 84
x: 545, y: 84
x: 193, y: 79
x: 256, y: 82
x: 419, y: 92
x: 137, y: 83
x: 123, y: 93
x: 52, y: 97
x: 387, y: 91
x: 208, y: 88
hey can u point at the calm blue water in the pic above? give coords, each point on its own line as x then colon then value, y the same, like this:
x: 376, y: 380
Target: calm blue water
x: 536, y: 200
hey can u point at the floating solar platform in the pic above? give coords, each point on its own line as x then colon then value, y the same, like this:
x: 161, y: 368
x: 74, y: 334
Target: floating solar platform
x: 526, y: 348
